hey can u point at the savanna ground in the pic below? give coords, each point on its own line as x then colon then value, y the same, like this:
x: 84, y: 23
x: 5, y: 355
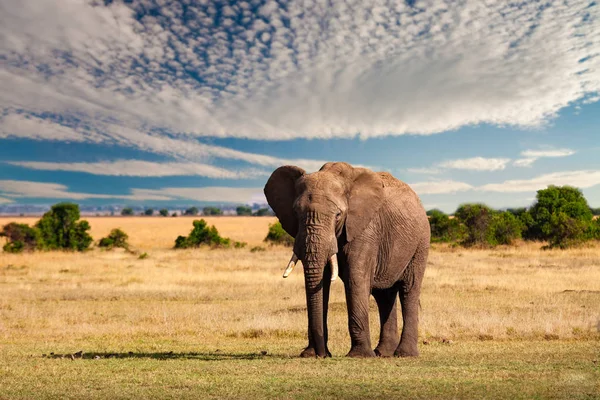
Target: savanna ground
x: 514, y: 322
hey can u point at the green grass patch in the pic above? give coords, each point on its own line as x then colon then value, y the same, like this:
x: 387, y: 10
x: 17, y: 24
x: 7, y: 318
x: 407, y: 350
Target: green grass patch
x: 251, y: 368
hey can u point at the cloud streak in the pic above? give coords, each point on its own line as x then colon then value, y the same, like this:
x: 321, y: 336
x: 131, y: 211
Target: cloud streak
x: 531, y: 156
x: 297, y: 70
x: 439, y: 187
x: 30, y: 189
x: 580, y: 179
x: 143, y: 169
x: 477, y: 164
x: 45, y: 190
x: 12, y: 189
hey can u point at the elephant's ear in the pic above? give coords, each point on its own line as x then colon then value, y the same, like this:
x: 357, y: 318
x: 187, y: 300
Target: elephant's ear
x: 364, y: 200
x: 280, y: 191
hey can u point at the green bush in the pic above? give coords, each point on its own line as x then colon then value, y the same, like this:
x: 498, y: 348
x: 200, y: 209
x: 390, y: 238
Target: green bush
x: 477, y: 219
x: 489, y: 228
x: 60, y: 229
x: 127, y: 211
x: 191, y: 211
x: 504, y: 229
x: 566, y: 231
x: 149, y: 212
x: 19, y: 237
x: 277, y: 235
x: 561, y: 216
x: 164, y: 212
x: 116, y: 238
x: 202, y: 234
x: 444, y: 228
x: 243, y: 210
x: 212, y: 211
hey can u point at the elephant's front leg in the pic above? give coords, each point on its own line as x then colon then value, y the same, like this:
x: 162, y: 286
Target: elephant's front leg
x: 357, y: 300
x: 309, y: 351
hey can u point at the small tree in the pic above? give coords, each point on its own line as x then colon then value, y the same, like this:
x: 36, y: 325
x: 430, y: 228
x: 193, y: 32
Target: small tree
x: 127, y: 211
x: 149, y: 212
x: 116, y: 238
x: 477, y: 218
x: 561, y: 215
x: 191, y: 211
x: 164, y: 212
x: 20, y: 237
x: 243, y: 210
x: 212, y: 211
x: 278, y: 235
x: 60, y: 228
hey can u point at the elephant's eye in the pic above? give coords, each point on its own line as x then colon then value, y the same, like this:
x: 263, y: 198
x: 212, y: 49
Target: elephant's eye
x: 338, y: 215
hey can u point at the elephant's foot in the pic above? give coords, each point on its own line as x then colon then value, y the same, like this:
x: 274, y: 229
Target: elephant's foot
x: 361, y: 352
x: 407, y: 350
x: 310, y: 352
x: 383, y: 350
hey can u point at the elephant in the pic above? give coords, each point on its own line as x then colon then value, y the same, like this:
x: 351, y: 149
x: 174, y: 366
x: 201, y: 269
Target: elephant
x: 370, y: 229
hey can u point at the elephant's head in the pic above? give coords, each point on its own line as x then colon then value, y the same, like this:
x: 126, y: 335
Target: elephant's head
x: 316, y: 209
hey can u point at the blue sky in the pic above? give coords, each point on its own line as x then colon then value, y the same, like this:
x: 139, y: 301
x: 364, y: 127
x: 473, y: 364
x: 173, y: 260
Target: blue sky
x: 199, y: 101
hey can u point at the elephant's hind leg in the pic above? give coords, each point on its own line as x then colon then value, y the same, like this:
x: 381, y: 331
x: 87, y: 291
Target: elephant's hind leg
x: 410, y: 292
x: 388, y: 319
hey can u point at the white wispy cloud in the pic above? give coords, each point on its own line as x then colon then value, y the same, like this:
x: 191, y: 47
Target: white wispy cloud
x: 35, y: 128
x: 426, y: 170
x: 477, y: 164
x: 440, y: 187
x: 531, y: 156
x: 547, y: 153
x: 49, y: 190
x: 209, y: 194
x: 4, y: 201
x: 144, y: 169
x: 29, y: 189
x: 366, y: 67
x: 524, y: 162
x: 580, y: 179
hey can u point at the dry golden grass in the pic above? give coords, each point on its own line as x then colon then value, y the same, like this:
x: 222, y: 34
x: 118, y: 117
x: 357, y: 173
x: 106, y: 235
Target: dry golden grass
x: 218, y: 295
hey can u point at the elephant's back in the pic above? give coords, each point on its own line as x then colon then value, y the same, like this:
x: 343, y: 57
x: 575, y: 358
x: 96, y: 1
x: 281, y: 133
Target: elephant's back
x: 400, y: 193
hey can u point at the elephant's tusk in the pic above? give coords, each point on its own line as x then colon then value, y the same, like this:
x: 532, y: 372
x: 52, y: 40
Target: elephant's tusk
x: 334, y: 267
x: 290, y: 266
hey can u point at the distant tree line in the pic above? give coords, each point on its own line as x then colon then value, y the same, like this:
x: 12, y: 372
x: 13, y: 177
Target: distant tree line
x: 208, y: 211
x: 560, y: 216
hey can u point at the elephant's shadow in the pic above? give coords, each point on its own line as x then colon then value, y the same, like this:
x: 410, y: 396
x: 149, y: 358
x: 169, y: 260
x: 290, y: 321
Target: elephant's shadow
x: 170, y: 355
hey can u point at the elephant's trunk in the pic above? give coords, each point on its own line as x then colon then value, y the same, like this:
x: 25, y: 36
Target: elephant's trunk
x: 316, y: 245
x: 313, y: 279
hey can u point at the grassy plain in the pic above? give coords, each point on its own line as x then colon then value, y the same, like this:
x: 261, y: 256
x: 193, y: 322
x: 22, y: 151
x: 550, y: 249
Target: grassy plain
x: 515, y: 322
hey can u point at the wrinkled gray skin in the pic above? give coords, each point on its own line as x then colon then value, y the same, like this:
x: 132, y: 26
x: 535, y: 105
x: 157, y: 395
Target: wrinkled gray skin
x: 379, y: 230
